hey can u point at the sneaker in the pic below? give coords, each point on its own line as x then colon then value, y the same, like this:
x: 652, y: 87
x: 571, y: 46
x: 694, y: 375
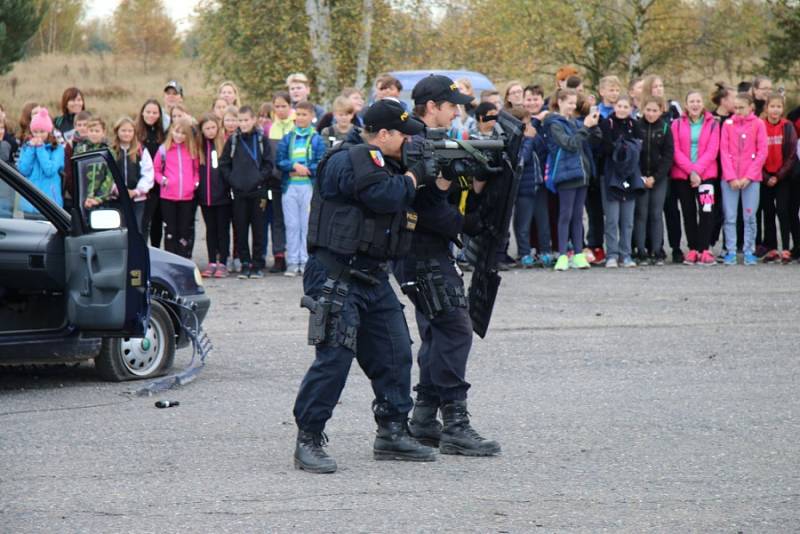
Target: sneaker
x: 237, y: 265
x: 301, y: 269
x: 546, y: 260
x: 750, y: 258
x: 579, y: 261
x: 244, y: 272
x: 562, y: 264
x: 707, y: 258
x: 222, y: 271
x: 772, y: 256
x: 761, y: 251
x: 730, y: 259
x: 291, y: 270
x: 629, y: 263
x: 691, y: 257
x: 677, y: 256
x: 256, y: 273
x: 722, y: 255
x: 611, y: 263
x: 589, y: 255
x: 210, y: 270
x: 526, y: 261
x: 658, y: 260
x: 786, y: 257
x: 599, y: 256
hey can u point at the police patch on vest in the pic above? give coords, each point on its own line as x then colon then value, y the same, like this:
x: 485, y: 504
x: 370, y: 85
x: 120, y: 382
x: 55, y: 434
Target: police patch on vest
x: 377, y: 158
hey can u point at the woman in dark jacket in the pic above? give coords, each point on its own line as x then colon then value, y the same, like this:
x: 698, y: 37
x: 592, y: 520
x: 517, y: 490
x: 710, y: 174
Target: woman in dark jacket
x: 655, y: 162
x: 72, y: 103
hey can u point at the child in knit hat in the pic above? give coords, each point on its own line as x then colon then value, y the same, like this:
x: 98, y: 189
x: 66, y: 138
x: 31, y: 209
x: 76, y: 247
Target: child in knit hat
x: 41, y: 162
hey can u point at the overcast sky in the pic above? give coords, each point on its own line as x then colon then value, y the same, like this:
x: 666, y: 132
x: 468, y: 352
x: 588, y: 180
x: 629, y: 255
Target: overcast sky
x: 179, y: 10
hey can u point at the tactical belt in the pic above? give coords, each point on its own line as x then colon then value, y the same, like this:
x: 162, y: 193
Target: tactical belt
x: 347, y: 273
x: 431, y: 293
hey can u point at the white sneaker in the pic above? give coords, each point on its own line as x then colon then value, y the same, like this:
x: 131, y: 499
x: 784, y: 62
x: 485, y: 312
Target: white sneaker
x: 237, y: 265
x: 291, y: 270
x: 611, y: 263
x: 301, y: 269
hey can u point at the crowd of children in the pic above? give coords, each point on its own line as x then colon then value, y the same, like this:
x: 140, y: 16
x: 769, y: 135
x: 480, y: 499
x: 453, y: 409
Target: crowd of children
x: 626, y: 162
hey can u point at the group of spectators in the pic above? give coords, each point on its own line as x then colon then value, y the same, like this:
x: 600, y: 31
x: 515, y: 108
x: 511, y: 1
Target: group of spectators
x: 714, y: 165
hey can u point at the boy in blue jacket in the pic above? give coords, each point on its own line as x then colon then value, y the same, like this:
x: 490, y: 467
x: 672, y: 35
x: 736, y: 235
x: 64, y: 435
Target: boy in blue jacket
x: 299, y: 153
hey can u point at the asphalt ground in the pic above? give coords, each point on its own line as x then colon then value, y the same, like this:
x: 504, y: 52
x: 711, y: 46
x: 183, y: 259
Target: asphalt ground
x: 660, y: 399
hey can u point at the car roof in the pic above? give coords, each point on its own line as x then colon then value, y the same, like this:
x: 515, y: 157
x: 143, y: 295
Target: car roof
x: 409, y: 78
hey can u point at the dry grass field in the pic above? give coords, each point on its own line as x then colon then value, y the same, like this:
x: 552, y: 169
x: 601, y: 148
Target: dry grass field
x: 113, y: 86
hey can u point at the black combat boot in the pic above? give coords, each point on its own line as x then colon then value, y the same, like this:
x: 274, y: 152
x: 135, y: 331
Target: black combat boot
x: 393, y: 442
x: 309, y: 454
x: 458, y: 436
x: 423, y: 424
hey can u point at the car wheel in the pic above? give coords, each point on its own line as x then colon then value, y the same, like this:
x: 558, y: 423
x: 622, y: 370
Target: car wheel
x: 135, y: 358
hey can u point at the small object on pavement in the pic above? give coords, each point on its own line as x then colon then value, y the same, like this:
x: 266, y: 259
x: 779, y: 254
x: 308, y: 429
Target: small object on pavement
x: 167, y: 404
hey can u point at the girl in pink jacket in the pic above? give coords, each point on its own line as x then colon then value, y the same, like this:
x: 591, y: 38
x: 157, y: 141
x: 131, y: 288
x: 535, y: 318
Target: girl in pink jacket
x: 177, y: 172
x: 694, y: 176
x: 743, y: 151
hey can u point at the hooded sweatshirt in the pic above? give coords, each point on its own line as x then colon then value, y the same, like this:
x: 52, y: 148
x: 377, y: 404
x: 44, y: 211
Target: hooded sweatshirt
x: 743, y: 148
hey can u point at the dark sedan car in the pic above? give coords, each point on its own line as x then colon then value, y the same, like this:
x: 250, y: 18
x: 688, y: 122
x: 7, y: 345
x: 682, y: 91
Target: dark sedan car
x: 82, y: 285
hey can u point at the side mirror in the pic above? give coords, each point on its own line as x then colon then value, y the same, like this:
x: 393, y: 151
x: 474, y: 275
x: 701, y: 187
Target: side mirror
x: 106, y: 219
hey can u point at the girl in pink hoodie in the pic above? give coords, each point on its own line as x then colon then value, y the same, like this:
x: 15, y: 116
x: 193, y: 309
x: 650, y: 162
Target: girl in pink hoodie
x: 694, y: 176
x: 743, y: 152
x: 177, y: 172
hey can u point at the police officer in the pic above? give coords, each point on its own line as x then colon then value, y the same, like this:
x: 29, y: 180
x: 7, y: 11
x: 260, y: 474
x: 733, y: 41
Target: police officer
x: 441, y: 305
x: 360, y: 218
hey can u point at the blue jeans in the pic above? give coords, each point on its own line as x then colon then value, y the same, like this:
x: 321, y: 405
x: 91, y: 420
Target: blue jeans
x: 618, y: 225
x: 570, y: 218
x: 526, y: 210
x: 649, y: 218
x: 730, y: 202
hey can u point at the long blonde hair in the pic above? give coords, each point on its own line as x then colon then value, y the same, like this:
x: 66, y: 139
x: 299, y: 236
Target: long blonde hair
x: 133, y: 150
x: 184, y: 125
x: 219, y: 140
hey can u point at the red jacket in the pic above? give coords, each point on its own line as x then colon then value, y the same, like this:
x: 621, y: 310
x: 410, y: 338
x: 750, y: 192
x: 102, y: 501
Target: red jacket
x: 743, y: 148
x: 707, y: 149
x: 781, y: 153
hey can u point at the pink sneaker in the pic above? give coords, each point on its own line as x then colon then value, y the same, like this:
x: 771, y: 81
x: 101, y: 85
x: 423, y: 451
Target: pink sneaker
x: 210, y: 270
x: 707, y: 258
x: 222, y: 271
x: 691, y: 257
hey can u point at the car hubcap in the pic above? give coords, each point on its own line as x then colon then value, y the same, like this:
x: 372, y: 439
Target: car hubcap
x: 142, y: 356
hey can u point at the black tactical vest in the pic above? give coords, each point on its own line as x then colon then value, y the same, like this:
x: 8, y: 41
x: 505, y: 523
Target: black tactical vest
x: 349, y: 228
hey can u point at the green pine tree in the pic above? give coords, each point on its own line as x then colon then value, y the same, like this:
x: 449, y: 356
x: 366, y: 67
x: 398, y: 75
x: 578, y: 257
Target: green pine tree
x: 18, y: 23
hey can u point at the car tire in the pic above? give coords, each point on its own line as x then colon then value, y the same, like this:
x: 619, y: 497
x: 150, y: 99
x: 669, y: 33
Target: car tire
x: 123, y: 359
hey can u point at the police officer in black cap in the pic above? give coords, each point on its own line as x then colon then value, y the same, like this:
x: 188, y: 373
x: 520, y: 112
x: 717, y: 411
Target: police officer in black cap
x: 360, y: 218
x: 438, y: 291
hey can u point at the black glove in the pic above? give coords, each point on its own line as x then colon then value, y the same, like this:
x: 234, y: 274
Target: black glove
x: 425, y: 171
x: 473, y: 225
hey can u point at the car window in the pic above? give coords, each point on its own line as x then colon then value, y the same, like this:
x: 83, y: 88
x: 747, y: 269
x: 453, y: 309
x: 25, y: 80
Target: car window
x: 96, y: 187
x: 11, y: 202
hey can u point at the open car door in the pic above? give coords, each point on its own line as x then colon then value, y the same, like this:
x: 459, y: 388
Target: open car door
x: 106, y: 259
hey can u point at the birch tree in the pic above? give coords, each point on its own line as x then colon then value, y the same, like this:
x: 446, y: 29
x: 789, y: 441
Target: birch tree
x: 319, y: 31
x: 365, y: 44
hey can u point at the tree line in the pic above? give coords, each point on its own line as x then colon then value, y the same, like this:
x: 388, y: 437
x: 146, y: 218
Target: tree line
x: 347, y: 42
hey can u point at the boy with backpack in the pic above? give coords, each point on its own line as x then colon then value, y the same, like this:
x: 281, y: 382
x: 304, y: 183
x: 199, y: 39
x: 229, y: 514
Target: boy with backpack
x: 246, y: 165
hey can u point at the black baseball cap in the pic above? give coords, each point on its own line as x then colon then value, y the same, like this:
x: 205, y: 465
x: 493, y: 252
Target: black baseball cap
x: 437, y: 88
x: 173, y: 84
x: 389, y: 114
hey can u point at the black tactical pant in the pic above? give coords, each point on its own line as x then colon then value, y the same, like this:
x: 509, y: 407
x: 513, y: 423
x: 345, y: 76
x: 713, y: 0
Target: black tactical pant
x: 446, y: 339
x: 382, y: 348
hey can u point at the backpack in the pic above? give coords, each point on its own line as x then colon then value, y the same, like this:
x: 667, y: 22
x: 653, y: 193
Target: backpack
x: 235, y: 137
